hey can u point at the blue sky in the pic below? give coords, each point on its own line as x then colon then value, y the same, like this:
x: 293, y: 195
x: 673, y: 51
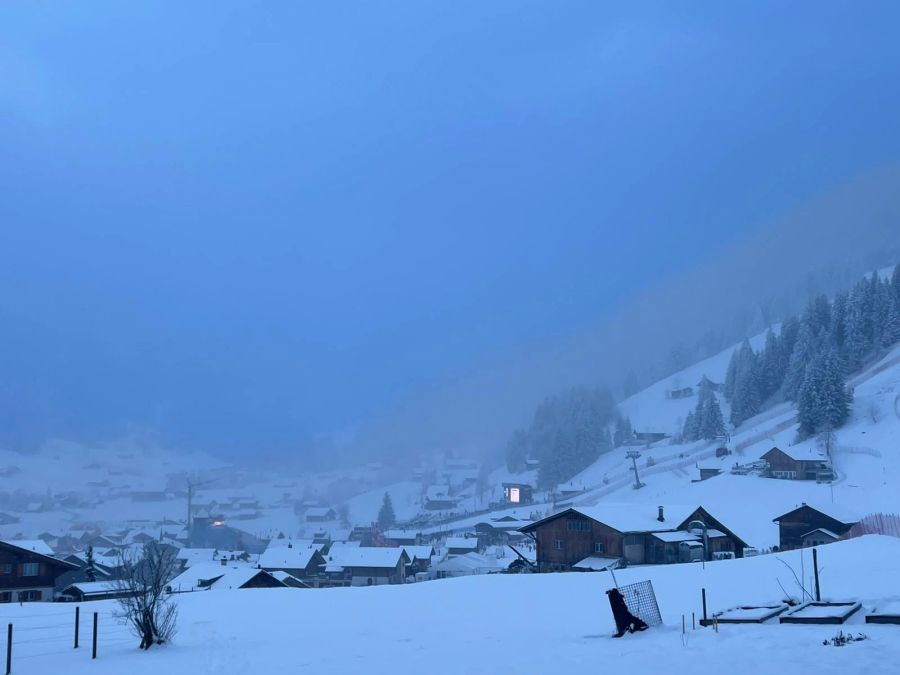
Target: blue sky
x: 240, y: 224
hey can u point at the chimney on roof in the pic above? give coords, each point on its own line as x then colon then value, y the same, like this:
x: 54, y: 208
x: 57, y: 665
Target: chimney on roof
x: 661, y: 517
x: 224, y: 561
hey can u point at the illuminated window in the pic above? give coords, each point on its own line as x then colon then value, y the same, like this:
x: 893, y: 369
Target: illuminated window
x: 514, y: 495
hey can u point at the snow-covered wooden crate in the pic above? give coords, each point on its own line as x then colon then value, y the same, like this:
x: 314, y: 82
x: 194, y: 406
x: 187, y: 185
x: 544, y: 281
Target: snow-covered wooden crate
x: 750, y: 613
x: 821, y: 612
x: 885, y: 613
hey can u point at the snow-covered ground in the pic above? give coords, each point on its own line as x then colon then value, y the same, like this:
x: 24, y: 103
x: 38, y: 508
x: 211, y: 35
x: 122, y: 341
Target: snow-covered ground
x: 487, y: 624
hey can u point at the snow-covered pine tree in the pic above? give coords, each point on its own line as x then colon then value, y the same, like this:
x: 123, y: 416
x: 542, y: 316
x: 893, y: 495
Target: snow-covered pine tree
x: 746, y: 400
x: 824, y: 401
x: 802, y: 355
x: 890, y: 334
x: 895, y: 281
x: 731, y: 376
x: 835, y: 397
x: 623, y: 432
x: 386, y: 516
x: 712, y: 424
x: 770, y: 372
x: 857, y: 342
x: 809, y: 403
x: 839, y: 321
x: 689, y: 432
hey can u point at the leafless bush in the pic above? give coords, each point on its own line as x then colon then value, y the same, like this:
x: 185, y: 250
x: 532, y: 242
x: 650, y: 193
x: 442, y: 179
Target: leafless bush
x: 144, y: 603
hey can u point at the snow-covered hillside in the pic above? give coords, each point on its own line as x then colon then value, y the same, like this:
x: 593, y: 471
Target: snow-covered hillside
x: 488, y: 624
x: 866, y: 455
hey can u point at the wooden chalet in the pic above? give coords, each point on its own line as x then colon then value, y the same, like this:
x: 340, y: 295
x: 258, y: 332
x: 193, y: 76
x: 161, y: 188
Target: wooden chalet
x: 212, y: 576
x: 798, y: 462
x: 438, y: 498
x: 461, y: 545
x: 28, y: 571
x: 646, y: 437
x: 402, y: 537
x: 88, y: 591
x: 367, y: 566
x: 627, y: 534
x: 813, y: 525
x: 305, y: 563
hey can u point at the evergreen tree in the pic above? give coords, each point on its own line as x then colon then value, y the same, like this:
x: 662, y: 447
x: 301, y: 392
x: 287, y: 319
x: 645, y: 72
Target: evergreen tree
x: 712, y: 424
x: 746, y: 399
x: 839, y: 321
x: 895, y: 282
x: 90, y: 568
x: 824, y: 402
x: 809, y: 412
x: 891, y: 331
x: 386, y: 516
x: 623, y: 432
x: 803, y: 353
x: 689, y: 433
x: 770, y: 372
x: 857, y: 342
x: 731, y: 375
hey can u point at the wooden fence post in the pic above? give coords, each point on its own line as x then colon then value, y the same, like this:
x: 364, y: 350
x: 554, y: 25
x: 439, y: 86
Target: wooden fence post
x: 8, y: 649
x: 703, y: 591
x: 816, y: 572
x: 77, y: 623
x: 94, y: 649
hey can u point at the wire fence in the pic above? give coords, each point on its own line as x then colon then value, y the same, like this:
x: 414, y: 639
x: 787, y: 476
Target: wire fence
x: 35, y: 636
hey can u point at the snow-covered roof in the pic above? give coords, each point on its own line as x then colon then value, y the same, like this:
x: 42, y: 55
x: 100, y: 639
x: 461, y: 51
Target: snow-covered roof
x: 400, y: 534
x: 365, y: 556
x: 472, y: 563
x: 282, y: 557
x: 344, y: 544
x: 802, y: 452
x: 33, y: 545
x: 319, y: 512
x: 834, y: 511
x: 824, y: 531
x: 95, y: 587
x: 470, y: 543
x: 214, y: 576
x: 287, y: 578
x: 675, y: 537
x: 637, y: 517
x: 596, y: 563
x: 419, y: 552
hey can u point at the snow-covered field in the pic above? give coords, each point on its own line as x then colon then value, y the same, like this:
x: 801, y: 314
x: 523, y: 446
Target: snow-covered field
x: 487, y: 624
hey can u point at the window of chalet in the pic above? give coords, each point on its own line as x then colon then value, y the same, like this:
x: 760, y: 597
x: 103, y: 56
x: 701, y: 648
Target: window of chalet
x: 5, y: 596
x: 6, y: 568
x: 574, y: 525
x: 599, y: 547
x: 31, y: 569
x: 29, y: 596
x: 557, y: 544
x: 633, y: 540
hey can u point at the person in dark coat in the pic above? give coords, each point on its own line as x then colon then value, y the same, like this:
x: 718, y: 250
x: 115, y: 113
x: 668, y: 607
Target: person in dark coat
x: 625, y: 620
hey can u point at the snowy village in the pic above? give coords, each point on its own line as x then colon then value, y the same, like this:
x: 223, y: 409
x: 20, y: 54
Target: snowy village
x: 666, y: 481
x: 449, y: 337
